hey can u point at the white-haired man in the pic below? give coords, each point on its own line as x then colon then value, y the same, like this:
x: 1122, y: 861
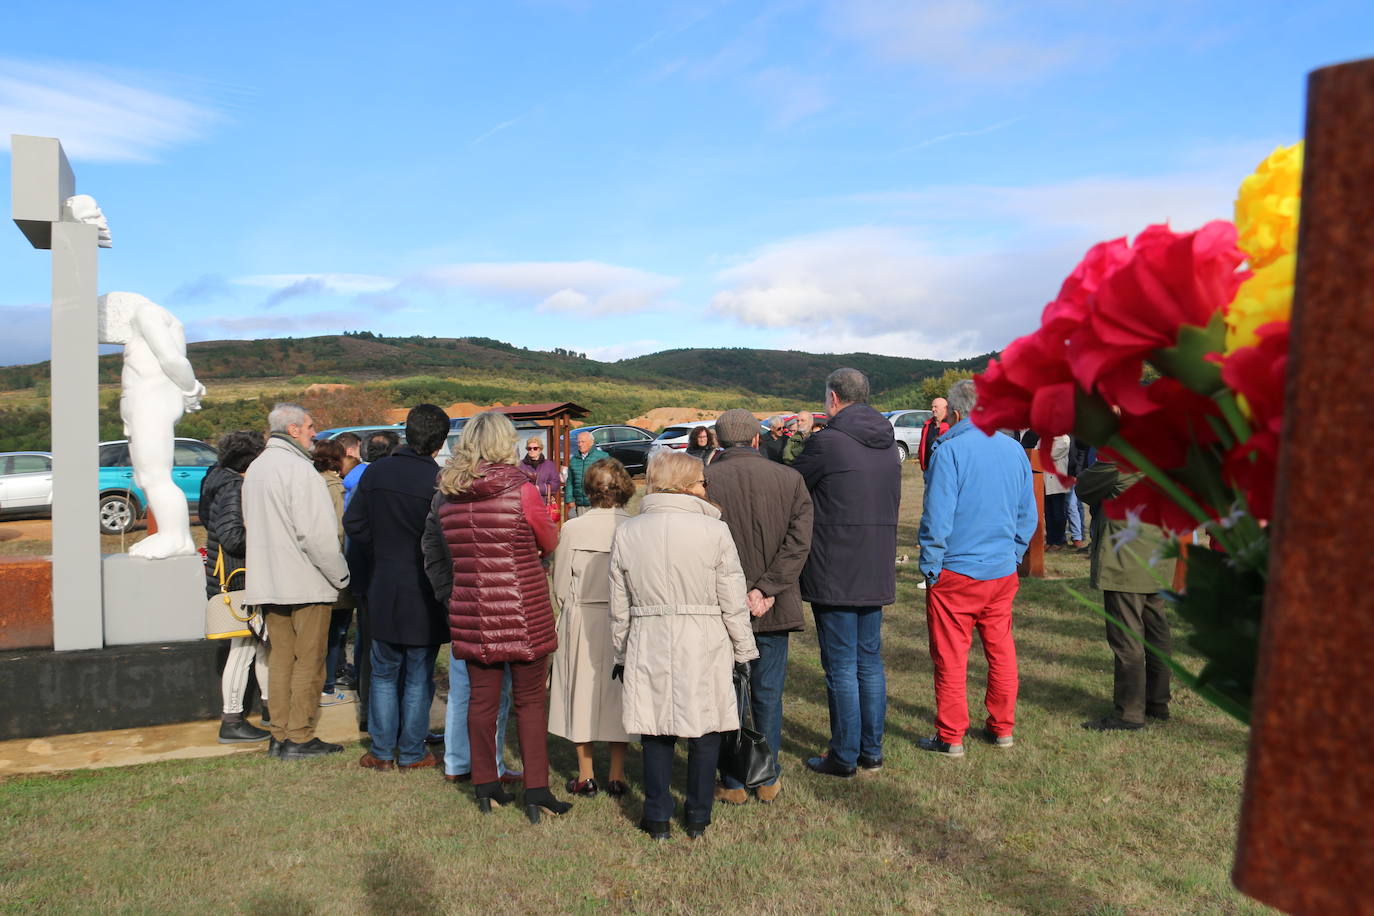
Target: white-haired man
x: 294, y: 572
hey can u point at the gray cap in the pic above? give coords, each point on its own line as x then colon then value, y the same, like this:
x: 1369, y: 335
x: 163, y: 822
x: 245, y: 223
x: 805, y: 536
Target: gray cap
x: 737, y: 427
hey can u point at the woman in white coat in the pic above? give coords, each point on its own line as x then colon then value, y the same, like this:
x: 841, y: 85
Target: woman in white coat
x: 584, y: 703
x: 679, y: 624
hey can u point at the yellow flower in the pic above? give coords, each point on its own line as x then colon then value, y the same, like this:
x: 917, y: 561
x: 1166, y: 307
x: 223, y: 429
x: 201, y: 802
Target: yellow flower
x: 1267, y: 296
x: 1267, y: 207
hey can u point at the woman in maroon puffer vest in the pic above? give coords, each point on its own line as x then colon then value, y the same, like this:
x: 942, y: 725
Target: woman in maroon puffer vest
x: 489, y: 529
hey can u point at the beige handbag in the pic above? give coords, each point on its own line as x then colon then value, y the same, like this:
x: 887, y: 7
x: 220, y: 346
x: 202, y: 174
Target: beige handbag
x: 225, y: 615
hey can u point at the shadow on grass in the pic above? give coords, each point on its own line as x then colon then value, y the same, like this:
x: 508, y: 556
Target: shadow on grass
x: 395, y: 883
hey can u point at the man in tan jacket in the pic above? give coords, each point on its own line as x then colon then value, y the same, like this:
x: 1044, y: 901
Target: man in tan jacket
x: 294, y: 572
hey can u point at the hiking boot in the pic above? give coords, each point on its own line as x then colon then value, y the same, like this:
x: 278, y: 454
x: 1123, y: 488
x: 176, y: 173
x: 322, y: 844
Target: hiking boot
x: 934, y: 744
x: 870, y: 764
x: 731, y: 796
x: 241, y: 731
x: 290, y: 750
x: 828, y: 766
x: 1113, y: 724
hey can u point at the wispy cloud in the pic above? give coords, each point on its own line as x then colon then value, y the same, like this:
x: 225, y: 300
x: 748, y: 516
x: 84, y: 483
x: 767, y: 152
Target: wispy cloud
x: 324, y: 322
x: 324, y: 282
x: 491, y: 132
x: 204, y: 289
x: 954, y: 135
x: 589, y: 287
x: 99, y: 116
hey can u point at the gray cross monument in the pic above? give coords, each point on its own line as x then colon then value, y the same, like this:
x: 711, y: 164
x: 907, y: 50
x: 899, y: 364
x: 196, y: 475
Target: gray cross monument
x: 42, y: 183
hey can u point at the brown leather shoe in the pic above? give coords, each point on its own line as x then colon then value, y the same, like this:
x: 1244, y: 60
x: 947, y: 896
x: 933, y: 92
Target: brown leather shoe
x: 512, y: 776
x: 731, y: 796
x: 460, y: 777
x: 429, y: 760
x: 768, y: 793
x: 373, y: 762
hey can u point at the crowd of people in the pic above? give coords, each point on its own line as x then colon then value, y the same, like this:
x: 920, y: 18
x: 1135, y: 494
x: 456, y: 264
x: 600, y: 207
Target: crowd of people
x: 631, y: 627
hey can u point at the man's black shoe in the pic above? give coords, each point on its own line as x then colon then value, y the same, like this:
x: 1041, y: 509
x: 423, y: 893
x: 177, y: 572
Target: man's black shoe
x: 828, y: 766
x: 657, y: 830
x: 274, y: 748
x: 1159, y: 715
x: 290, y: 750
x: 1113, y: 724
x: 870, y: 764
x: 944, y: 748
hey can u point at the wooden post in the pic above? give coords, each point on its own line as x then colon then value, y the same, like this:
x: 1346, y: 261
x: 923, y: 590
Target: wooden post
x: 1306, y: 835
x: 1033, y: 564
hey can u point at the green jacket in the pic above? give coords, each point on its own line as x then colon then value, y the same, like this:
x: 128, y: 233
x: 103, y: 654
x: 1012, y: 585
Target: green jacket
x: 1127, y: 569
x: 577, y: 469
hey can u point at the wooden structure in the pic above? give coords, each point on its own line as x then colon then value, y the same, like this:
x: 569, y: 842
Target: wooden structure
x: 1306, y: 837
x: 556, y: 417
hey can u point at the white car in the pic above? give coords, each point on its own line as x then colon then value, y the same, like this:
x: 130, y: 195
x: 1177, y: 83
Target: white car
x: 906, y: 426
x: 25, y: 483
x: 674, y: 438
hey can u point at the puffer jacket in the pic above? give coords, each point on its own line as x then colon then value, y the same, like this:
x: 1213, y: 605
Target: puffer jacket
x: 577, y: 469
x: 679, y: 617
x: 221, y: 511
x: 498, y: 605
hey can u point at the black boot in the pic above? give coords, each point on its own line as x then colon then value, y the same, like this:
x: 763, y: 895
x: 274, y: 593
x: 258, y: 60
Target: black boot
x: 234, y: 729
x: 489, y: 794
x: 543, y: 798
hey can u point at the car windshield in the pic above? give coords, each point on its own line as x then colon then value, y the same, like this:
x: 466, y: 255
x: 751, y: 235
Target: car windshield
x: 674, y: 432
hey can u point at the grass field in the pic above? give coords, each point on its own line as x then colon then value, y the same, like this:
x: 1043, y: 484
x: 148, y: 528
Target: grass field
x: 1068, y: 821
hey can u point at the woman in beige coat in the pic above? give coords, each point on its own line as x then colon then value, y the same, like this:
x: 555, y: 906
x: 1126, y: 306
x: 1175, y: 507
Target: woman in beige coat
x: 329, y: 457
x: 679, y: 623
x: 584, y: 703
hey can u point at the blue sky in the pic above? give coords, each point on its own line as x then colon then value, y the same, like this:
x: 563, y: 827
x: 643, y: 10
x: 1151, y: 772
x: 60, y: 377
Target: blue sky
x: 912, y: 178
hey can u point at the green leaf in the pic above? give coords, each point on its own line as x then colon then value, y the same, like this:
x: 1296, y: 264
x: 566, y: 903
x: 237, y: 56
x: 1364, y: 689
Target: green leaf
x: 1094, y: 421
x: 1187, y: 359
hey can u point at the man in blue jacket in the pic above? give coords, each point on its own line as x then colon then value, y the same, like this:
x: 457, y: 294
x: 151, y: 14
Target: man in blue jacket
x: 978, y: 520
x: 855, y: 479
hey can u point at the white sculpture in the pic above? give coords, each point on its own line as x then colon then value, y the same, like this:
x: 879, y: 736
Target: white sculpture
x: 83, y: 209
x: 158, y: 386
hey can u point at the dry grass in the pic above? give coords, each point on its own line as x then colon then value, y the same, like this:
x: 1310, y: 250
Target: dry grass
x: 1066, y: 822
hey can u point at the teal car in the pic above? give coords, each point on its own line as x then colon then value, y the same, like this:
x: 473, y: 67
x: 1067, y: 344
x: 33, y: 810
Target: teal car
x: 122, y: 502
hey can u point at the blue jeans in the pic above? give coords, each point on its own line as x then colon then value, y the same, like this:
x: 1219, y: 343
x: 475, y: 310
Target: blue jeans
x: 851, y: 643
x: 766, y: 676
x: 402, y: 692
x: 338, y: 634
x: 1075, y: 516
x: 457, y: 749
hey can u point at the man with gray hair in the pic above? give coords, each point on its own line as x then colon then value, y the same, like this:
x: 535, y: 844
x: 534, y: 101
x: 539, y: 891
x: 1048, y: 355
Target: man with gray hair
x: 294, y: 572
x: 978, y: 520
x: 768, y: 511
x: 855, y: 480
x: 771, y: 446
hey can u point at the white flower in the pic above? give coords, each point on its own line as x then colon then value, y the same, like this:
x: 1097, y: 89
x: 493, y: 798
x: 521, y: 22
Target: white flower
x: 1130, y: 533
x: 1233, y: 518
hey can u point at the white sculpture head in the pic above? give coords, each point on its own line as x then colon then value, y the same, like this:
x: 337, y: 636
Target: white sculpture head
x: 84, y: 209
x: 115, y: 315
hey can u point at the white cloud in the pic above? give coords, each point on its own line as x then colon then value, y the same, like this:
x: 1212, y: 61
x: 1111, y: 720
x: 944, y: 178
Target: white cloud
x: 629, y: 349
x: 958, y: 38
x: 98, y: 116
x: 584, y: 287
x: 326, y: 282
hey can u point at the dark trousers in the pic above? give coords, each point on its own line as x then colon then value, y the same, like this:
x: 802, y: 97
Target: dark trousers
x: 702, y: 756
x: 362, y: 660
x: 1056, y: 518
x: 1141, y: 681
x: 530, y: 701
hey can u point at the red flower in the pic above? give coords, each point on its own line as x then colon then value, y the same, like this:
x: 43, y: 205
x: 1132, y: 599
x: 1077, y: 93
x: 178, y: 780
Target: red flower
x: 1144, y: 500
x: 1171, y: 280
x: 1257, y: 374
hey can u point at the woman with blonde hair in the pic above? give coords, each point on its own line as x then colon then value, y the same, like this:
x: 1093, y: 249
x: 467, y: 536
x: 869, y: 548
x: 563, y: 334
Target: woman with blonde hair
x: 584, y: 703
x: 485, y: 536
x: 679, y: 622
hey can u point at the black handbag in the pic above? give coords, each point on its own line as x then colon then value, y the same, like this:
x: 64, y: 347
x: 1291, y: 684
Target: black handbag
x: 744, y: 754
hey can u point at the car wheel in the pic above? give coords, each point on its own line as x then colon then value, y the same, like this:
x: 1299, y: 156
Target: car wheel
x: 902, y: 452
x: 117, y: 514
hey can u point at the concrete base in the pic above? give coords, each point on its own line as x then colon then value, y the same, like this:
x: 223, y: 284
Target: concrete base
x: 58, y: 693
x: 153, y: 600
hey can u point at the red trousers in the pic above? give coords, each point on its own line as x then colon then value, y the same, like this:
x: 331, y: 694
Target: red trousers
x: 530, y: 702
x: 954, y: 607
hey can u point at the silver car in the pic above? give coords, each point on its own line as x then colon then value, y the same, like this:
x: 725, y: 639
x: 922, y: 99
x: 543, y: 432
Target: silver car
x: 25, y: 483
x: 906, y: 426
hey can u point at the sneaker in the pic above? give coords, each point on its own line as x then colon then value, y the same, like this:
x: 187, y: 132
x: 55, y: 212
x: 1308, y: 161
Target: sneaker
x: 921, y: 585
x: 290, y: 750
x: 336, y: 698
x: 870, y: 764
x: 1112, y: 724
x: 241, y: 731
x: 988, y: 736
x: 940, y: 747
x: 828, y: 766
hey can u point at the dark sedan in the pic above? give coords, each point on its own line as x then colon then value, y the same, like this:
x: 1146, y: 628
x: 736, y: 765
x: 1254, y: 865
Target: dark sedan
x: 627, y: 444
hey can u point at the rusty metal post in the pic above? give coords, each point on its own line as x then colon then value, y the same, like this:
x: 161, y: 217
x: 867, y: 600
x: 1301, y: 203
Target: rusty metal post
x: 1033, y: 563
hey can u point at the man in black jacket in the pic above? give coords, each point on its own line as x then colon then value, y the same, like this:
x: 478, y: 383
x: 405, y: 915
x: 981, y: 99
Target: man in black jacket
x: 768, y: 511
x: 855, y: 480
x: 386, y: 519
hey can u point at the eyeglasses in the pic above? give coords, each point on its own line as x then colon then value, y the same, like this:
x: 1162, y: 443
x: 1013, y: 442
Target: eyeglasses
x: 534, y: 448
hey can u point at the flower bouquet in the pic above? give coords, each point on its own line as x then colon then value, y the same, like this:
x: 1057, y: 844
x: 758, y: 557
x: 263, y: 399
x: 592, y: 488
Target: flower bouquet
x: 1168, y: 354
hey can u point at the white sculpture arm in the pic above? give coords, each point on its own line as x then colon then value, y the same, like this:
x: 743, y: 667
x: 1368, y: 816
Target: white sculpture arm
x: 84, y: 209
x: 166, y: 339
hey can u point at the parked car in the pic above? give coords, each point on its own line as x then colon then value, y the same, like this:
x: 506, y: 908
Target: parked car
x: 122, y: 502
x: 627, y: 444
x: 675, y: 436
x: 906, y: 426
x: 25, y: 484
